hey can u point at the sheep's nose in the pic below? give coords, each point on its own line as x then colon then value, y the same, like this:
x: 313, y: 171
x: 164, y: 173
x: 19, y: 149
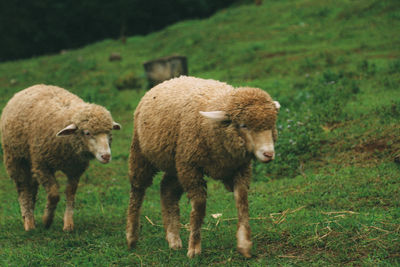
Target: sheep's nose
x: 106, y: 157
x: 269, y: 155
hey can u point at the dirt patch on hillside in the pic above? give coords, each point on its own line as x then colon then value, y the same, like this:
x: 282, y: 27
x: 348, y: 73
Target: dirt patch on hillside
x: 369, y: 148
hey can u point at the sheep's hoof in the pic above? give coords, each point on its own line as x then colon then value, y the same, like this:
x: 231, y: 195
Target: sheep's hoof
x: 131, y: 243
x: 68, y: 227
x: 194, y: 252
x: 174, y: 242
x: 245, y: 252
x: 175, y: 246
x: 29, y: 224
x: 47, y: 221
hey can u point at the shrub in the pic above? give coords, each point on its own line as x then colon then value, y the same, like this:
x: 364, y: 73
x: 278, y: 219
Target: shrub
x: 128, y: 80
x: 394, y: 66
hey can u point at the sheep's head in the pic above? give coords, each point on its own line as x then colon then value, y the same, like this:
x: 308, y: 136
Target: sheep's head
x: 92, y: 126
x: 248, y: 116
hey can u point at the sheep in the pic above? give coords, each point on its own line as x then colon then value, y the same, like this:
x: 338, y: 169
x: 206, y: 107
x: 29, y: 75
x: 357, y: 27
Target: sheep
x: 46, y: 129
x: 190, y: 127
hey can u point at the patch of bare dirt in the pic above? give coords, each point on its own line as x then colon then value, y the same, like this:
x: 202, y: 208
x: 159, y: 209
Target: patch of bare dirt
x: 372, y: 147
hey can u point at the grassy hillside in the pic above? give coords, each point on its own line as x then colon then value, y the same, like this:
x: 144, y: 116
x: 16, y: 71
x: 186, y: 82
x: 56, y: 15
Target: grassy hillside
x: 332, y: 196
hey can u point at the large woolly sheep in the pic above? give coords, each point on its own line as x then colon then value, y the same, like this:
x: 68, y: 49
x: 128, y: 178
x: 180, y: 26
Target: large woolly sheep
x: 190, y: 127
x: 45, y: 129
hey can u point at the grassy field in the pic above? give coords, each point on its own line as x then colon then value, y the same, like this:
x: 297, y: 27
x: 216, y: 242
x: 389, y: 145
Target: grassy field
x: 332, y: 196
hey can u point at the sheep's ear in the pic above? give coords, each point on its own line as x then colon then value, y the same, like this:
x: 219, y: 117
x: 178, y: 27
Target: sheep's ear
x: 214, y: 115
x: 116, y: 126
x: 277, y: 105
x: 70, y: 129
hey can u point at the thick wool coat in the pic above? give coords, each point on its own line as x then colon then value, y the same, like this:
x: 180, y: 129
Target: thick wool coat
x: 171, y: 132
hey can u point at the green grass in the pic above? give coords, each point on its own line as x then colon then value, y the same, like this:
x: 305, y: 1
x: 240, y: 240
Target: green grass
x: 332, y: 196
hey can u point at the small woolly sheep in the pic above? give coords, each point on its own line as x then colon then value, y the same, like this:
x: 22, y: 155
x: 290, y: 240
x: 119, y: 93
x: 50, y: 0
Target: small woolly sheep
x: 45, y: 129
x: 190, y: 127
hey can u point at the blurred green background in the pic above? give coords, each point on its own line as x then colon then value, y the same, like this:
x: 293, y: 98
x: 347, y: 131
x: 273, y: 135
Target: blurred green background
x: 330, y: 198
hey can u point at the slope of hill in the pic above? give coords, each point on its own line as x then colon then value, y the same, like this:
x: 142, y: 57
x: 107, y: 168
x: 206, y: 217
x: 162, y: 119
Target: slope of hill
x: 330, y: 198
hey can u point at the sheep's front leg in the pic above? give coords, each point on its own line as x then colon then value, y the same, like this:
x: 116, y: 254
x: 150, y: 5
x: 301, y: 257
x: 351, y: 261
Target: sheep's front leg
x: 243, y: 233
x: 69, y: 211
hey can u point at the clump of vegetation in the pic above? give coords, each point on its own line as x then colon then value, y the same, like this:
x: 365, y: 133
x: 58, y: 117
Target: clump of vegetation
x: 129, y: 80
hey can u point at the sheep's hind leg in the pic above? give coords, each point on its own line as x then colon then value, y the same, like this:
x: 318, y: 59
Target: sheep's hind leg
x: 171, y: 192
x: 141, y: 177
x: 20, y: 172
x: 193, y: 183
x: 27, y: 196
x: 197, y: 214
x: 50, y: 184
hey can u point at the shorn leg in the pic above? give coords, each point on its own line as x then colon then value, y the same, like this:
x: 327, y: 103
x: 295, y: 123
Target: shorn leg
x: 141, y: 174
x: 243, y: 233
x: 193, y: 183
x: 69, y: 211
x: 20, y: 172
x: 171, y: 192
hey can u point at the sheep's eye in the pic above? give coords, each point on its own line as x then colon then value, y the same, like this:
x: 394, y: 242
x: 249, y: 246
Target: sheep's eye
x: 86, y: 132
x: 226, y: 122
x: 242, y: 125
